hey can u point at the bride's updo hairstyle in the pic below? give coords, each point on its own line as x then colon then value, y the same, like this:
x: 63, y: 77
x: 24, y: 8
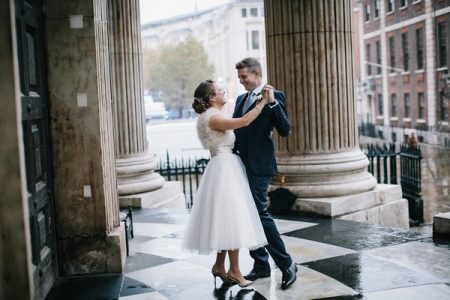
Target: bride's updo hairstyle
x: 201, y: 96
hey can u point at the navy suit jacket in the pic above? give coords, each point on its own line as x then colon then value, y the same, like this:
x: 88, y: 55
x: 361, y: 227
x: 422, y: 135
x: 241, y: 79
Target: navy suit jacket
x: 254, y: 143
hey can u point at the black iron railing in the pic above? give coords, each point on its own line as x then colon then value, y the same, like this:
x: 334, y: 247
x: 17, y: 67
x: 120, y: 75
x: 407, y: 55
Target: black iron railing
x: 410, y: 159
x: 187, y: 171
x: 382, y: 163
x: 385, y: 164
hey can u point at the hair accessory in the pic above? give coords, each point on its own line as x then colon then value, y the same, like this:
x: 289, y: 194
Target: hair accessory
x: 199, y: 99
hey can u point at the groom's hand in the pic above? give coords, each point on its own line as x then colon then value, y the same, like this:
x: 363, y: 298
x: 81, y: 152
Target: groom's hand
x: 270, y: 95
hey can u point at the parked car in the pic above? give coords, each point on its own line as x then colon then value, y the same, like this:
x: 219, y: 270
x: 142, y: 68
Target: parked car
x: 154, y: 110
x: 174, y: 114
x: 189, y: 113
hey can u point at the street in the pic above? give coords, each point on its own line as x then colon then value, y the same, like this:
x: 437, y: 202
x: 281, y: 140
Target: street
x: 178, y: 137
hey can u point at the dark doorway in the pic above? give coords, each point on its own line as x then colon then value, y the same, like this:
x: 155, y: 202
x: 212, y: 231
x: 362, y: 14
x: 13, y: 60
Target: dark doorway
x: 30, y: 47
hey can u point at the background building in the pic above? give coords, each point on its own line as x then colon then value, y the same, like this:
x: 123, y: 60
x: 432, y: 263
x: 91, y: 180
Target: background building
x: 228, y: 32
x: 404, y: 80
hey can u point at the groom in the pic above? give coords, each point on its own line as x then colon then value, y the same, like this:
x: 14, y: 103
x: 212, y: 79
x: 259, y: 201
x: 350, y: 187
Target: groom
x: 255, y: 147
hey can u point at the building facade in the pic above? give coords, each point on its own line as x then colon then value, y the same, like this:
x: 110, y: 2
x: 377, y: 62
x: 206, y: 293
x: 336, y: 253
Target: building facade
x: 404, y: 79
x: 228, y: 32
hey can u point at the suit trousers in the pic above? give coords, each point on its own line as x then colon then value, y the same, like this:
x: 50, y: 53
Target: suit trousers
x: 259, y: 186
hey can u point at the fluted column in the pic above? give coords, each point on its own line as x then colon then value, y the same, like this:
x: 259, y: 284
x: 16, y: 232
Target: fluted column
x: 310, y: 57
x: 135, y: 167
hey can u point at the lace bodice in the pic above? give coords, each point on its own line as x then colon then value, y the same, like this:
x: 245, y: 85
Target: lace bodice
x: 217, y: 141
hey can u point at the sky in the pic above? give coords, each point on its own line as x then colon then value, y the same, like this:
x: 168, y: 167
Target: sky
x: 152, y: 10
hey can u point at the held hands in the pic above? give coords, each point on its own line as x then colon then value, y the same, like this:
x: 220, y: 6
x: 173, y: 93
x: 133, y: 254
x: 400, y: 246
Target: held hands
x: 266, y: 94
x: 270, y: 95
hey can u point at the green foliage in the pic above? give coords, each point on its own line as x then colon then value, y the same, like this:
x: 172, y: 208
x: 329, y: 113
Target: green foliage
x: 176, y: 70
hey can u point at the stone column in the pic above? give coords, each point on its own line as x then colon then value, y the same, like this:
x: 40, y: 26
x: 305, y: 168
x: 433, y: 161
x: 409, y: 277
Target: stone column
x: 135, y: 167
x: 16, y: 269
x: 310, y: 57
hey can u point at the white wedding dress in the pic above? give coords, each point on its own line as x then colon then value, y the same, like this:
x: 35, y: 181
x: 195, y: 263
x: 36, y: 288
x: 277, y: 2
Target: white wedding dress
x: 224, y: 215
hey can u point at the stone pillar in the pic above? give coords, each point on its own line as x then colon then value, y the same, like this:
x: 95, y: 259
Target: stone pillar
x: 310, y: 57
x: 90, y: 236
x: 16, y: 281
x: 135, y: 167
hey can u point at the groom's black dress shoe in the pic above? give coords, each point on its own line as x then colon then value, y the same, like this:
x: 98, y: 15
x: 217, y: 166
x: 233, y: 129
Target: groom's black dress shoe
x: 289, y: 276
x: 255, y: 274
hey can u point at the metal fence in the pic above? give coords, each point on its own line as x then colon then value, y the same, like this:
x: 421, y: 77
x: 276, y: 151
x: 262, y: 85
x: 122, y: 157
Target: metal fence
x: 411, y: 181
x: 386, y: 165
x: 187, y: 171
x: 382, y: 163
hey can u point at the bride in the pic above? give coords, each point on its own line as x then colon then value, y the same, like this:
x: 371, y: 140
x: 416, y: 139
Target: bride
x: 224, y: 217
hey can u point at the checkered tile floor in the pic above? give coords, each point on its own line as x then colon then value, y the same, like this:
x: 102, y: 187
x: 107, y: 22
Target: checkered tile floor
x: 337, y: 260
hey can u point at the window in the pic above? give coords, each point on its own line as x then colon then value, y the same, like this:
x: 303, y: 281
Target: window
x: 394, y: 105
x: 405, y: 51
x: 377, y: 8
x: 378, y: 52
x: 380, y: 104
x: 367, y: 12
x: 443, y: 107
x: 403, y: 3
x: 419, y: 47
x: 244, y: 12
x: 442, y: 45
x: 407, y: 106
x: 253, y: 12
x: 390, y: 5
x: 369, y: 67
x: 421, y: 102
x: 392, y: 53
x: 255, y: 39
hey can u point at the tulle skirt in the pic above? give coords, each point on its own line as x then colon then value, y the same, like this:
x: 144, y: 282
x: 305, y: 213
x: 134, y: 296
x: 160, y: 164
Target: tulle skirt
x: 224, y: 215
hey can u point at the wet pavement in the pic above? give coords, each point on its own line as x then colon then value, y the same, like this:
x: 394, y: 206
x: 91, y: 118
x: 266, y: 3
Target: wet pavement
x: 337, y: 259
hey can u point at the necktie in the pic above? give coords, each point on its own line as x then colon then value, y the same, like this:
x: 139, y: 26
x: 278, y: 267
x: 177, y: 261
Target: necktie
x: 249, y: 102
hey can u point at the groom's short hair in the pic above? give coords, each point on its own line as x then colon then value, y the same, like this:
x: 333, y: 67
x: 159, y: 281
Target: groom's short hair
x: 252, y: 64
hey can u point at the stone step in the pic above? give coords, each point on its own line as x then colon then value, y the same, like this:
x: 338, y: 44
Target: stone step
x: 441, y: 225
x: 384, y: 205
x: 170, y: 195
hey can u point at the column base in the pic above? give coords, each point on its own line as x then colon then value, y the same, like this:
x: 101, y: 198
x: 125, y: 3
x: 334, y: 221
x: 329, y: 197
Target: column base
x: 116, y: 250
x: 383, y: 206
x: 326, y: 174
x: 170, y: 195
x: 137, y: 175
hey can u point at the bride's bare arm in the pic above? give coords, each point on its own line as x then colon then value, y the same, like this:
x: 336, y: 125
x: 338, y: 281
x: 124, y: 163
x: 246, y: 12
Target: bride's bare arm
x: 224, y: 123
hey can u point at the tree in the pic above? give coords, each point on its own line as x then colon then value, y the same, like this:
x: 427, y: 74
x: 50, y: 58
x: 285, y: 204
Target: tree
x: 176, y: 70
